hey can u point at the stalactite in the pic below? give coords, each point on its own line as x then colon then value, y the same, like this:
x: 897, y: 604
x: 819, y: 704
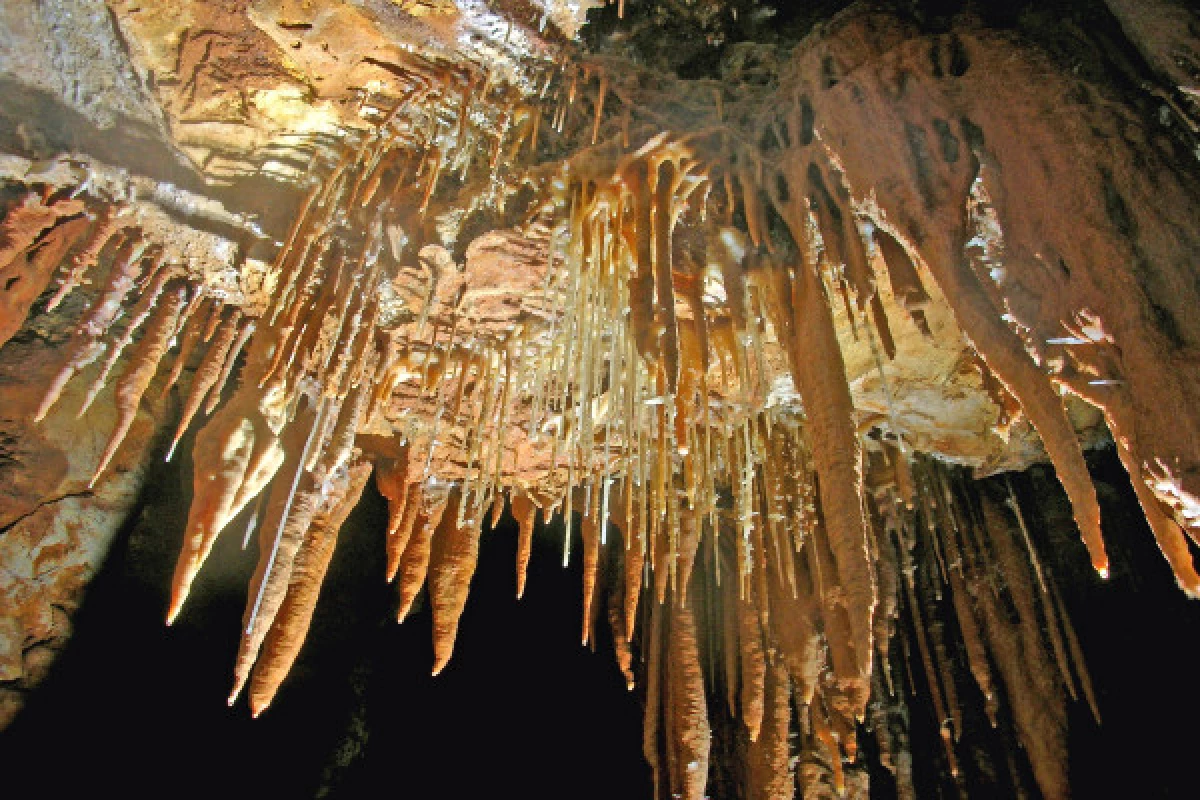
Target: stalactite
x: 288, y: 631
x: 453, y: 555
x: 234, y: 456
x: 85, y: 345
x: 214, y: 395
x: 523, y: 509
x: 26, y: 270
x: 821, y: 379
x: 399, y: 538
x: 192, y: 332
x: 654, y: 701
x: 689, y: 733
x: 25, y: 223
x: 136, y: 317
x: 143, y: 364
x: 205, y: 378
x: 753, y: 668
x: 1006, y: 357
x: 590, y: 532
x: 438, y: 507
x: 616, y: 623
x: 768, y: 759
x: 392, y: 481
x: 291, y: 507
x: 109, y: 223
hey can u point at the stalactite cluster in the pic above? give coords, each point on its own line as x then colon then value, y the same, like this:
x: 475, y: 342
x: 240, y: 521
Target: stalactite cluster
x: 672, y: 382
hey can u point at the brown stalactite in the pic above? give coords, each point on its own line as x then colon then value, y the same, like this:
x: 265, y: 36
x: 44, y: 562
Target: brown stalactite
x: 205, y: 377
x: 616, y: 623
x: 143, y: 364
x: 753, y: 668
x: 399, y: 538
x: 524, y: 510
x: 635, y: 556
x: 436, y: 508
x: 26, y: 222
x: 193, y: 331
x: 25, y: 272
x: 291, y: 624
x: 688, y: 729
x: 692, y: 366
x: 214, y: 395
x: 291, y: 506
x: 85, y: 345
x: 453, y: 554
x: 835, y: 447
x: 651, y: 731
x: 768, y: 759
x: 139, y: 314
x: 392, y: 481
x: 109, y: 223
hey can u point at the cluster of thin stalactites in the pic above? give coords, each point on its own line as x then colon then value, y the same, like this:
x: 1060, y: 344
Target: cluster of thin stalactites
x: 769, y: 569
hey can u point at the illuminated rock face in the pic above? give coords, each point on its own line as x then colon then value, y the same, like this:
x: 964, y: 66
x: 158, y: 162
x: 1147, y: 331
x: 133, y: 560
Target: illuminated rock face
x: 743, y: 333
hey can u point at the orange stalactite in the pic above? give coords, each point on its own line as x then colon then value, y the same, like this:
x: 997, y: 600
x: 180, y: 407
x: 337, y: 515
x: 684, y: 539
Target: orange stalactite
x: 143, y: 364
x: 663, y: 181
x: 651, y: 730
x: 85, y: 345
x: 453, y: 555
x: 524, y: 510
x: 753, y: 667
x: 139, y: 314
x: 290, y: 627
x: 689, y: 543
x: 437, y: 508
x: 289, y: 513
x: 819, y: 725
x: 768, y: 759
x: 399, y: 538
x: 688, y: 732
x: 109, y: 222
x: 392, y: 481
x: 205, y: 377
x: 635, y: 557
x: 638, y: 233
x: 616, y: 623
x: 821, y: 378
x: 234, y: 457
x: 192, y: 332
x: 25, y: 223
x: 26, y: 271
x: 218, y: 388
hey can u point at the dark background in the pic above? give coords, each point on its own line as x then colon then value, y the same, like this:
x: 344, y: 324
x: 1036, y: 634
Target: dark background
x: 135, y: 709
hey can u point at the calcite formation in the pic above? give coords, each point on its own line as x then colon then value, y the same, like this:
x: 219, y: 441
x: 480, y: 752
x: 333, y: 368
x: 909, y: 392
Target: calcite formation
x: 741, y: 333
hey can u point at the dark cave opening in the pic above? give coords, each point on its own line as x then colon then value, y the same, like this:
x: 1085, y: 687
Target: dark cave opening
x: 139, y: 708
x: 522, y: 708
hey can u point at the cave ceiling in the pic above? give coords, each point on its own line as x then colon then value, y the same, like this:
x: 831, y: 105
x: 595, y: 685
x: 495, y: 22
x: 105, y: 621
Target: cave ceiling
x: 747, y: 288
